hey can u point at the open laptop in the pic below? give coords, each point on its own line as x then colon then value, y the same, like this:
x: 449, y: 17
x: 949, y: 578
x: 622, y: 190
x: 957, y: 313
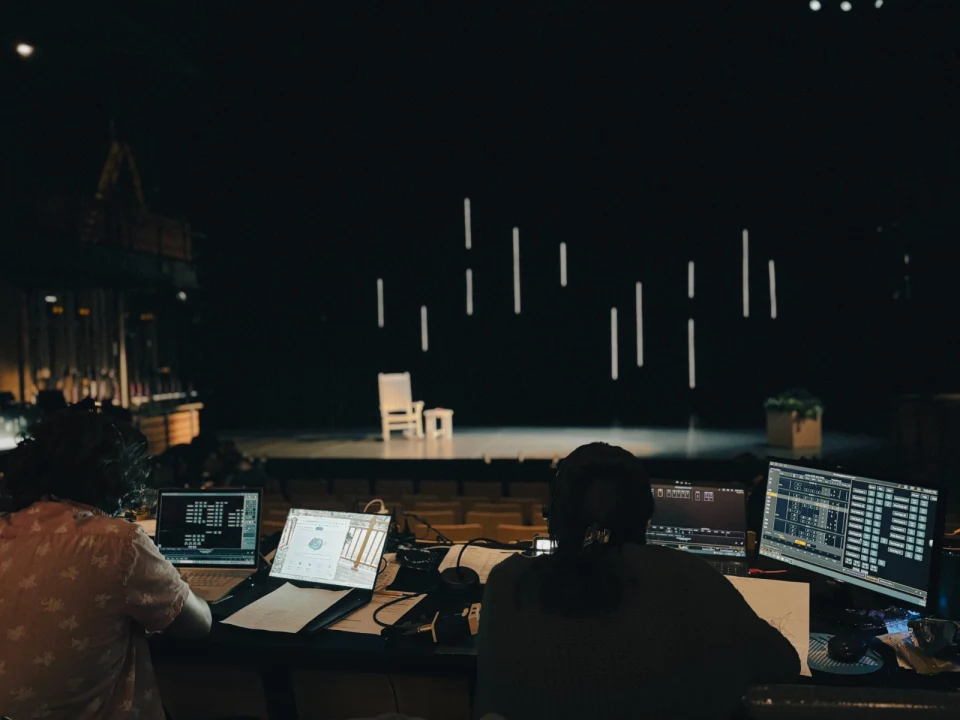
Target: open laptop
x: 211, y: 536
x: 331, y: 550
x: 708, y: 520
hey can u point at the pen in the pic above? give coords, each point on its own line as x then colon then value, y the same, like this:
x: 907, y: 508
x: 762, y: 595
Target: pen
x: 392, y: 593
x: 221, y: 599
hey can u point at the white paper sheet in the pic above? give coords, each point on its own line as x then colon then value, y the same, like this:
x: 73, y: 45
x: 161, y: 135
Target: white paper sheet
x: 389, y: 574
x: 361, y: 621
x: 785, y: 605
x: 481, y: 559
x: 287, y: 609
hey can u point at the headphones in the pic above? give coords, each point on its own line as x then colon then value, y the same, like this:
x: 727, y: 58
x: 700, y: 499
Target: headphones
x: 549, y: 511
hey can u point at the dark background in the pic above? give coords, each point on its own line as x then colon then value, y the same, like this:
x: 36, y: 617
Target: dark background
x: 322, y: 148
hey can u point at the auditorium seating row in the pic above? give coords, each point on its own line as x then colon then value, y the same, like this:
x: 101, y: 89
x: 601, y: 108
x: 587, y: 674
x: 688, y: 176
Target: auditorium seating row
x: 457, y: 512
x: 396, y: 489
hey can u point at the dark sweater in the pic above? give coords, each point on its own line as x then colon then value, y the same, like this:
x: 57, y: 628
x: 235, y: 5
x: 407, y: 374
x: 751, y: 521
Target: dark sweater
x: 683, y: 644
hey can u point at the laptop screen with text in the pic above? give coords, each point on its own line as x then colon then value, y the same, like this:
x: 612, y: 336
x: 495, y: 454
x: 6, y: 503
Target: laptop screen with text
x: 209, y: 528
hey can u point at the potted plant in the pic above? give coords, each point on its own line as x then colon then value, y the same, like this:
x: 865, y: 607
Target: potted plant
x: 794, y: 419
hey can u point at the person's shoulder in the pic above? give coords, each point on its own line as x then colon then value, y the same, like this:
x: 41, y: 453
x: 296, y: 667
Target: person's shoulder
x: 63, y: 518
x: 510, y: 569
x: 99, y: 530
x: 677, y: 561
x: 110, y: 526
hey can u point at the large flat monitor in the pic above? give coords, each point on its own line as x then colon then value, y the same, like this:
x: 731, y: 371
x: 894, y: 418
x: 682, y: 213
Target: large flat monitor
x: 209, y: 528
x: 325, y: 547
x: 702, y: 519
x: 869, y: 533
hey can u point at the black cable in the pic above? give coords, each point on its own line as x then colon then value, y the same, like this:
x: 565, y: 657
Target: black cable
x: 497, y: 543
x: 393, y: 689
x: 394, y: 602
x: 440, y: 536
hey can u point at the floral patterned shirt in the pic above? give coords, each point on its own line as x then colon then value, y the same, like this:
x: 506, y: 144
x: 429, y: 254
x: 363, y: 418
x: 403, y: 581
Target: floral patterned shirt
x: 79, y: 591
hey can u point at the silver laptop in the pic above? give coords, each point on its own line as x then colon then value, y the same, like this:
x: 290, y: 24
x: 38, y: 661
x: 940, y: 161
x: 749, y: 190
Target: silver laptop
x: 211, y: 536
x: 332, y: 550
x: 708, y: 520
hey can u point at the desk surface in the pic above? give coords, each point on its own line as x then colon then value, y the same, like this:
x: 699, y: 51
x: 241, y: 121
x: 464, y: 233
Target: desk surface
x: 340, y: 650
x: 335, y: 648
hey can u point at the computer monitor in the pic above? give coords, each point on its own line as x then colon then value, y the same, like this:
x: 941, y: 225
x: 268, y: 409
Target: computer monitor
x: 873, y: 534
x: 212, y: 528
x: 325, y: 547
x: 702, y: 519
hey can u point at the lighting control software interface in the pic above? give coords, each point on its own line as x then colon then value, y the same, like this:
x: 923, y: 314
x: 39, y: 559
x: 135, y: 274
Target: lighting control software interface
x: 200, y: 528
x: 870, y: 533
x: 701, y: 520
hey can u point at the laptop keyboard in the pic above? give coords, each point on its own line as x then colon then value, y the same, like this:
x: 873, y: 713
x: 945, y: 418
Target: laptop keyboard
x: 210, y: 579
x: 729, y: 567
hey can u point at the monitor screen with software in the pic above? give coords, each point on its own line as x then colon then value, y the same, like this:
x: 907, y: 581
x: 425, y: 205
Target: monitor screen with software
x: 870, y: 533
x: 209, y: 527
x: 702, y: 519
x: 331, y: 548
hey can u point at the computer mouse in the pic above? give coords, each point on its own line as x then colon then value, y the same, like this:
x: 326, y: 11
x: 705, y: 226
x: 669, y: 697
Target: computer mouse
x: 846, y: 647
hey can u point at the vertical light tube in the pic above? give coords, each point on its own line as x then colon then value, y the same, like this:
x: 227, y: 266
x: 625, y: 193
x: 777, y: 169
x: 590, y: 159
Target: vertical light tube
x: 690, y: 279
x: 467, y: 224
x: 563, y: 264
x: 691, y: 355
x: 379, y: 302
x: 773, y: 290
x: 746, y: 274
x: 639, y: 325
x: 614, y: 363
x: 516, y: 271
x: 122, y: 332
x: 469, y: 291
x: 424, y: 343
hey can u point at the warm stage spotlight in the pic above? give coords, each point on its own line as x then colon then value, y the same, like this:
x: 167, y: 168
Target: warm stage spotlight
x: 25, y: 50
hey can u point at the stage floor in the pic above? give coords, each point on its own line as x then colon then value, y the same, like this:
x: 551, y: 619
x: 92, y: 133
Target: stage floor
x: 506, y: 443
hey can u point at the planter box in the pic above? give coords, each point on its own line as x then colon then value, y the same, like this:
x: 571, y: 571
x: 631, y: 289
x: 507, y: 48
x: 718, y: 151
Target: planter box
x: 784, y: 430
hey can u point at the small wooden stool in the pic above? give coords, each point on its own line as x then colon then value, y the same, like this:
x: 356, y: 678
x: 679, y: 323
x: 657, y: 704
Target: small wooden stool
x: 446, y: 423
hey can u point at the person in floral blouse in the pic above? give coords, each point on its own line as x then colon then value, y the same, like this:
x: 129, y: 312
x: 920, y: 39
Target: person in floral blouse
x: 80, y: 587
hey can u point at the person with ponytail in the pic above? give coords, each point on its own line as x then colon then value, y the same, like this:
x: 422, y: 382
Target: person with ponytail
x: 608, y: 626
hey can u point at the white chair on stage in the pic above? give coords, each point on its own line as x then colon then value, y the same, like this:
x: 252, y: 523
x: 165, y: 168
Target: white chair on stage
x: 397, y: 409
